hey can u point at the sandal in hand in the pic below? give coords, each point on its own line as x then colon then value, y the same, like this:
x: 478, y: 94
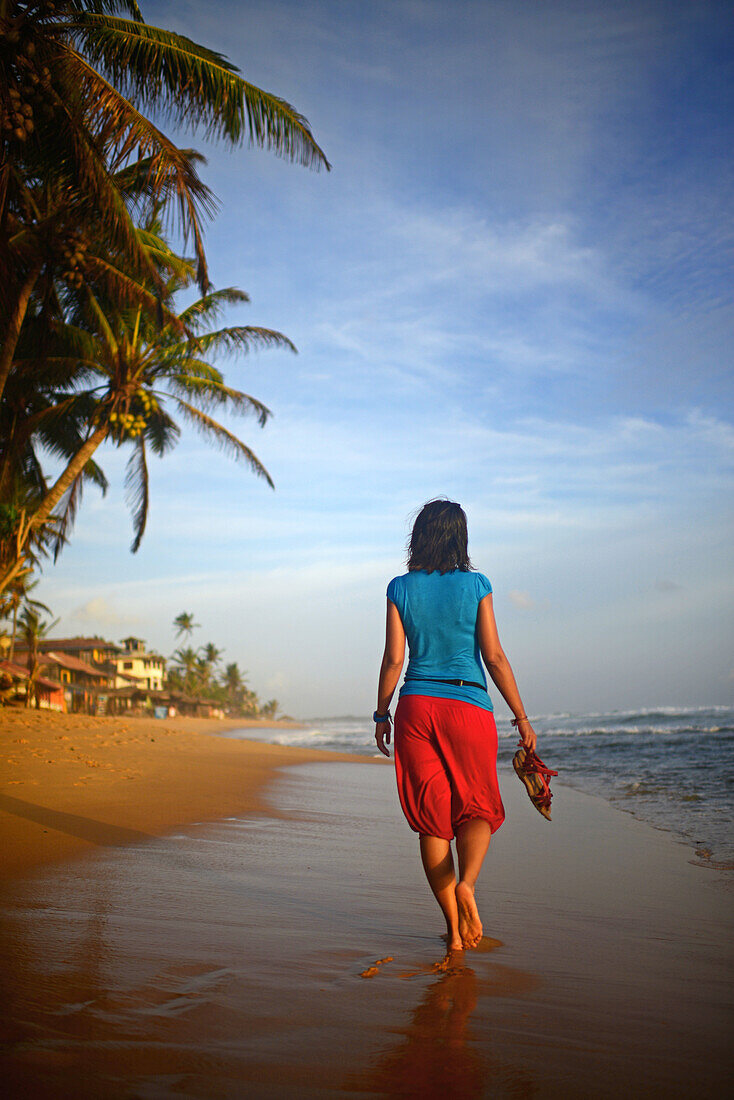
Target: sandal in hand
x: 536, y: 777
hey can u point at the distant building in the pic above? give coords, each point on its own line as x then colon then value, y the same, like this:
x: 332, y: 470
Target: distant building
x: 92, y: 671
x: 14, y: 687
x: 95, y: 651
x: 134, y: 663
x: 85, y: 687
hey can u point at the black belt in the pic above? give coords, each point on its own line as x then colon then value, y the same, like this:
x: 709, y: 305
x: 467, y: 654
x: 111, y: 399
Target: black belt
x: 436, y: 680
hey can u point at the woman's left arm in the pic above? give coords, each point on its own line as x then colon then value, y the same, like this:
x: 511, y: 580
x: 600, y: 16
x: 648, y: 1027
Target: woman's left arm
x: 393, y: 660
x: 500, y: 670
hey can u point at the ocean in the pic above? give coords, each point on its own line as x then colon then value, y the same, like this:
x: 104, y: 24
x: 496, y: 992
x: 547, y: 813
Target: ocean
x: 672, y: 767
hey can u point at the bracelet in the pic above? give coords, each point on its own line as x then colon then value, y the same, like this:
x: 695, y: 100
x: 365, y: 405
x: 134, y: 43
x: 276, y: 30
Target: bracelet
x: 517, y: 721
x: 377, y: 718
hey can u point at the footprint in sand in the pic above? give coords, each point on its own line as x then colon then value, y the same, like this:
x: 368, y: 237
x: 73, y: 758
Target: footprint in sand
x: 373, y: 970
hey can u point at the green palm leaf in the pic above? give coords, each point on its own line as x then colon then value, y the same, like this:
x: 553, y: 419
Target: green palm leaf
x: 225, y: 439
x: 241, y: 338
x: 155, y: 65
x: 162, y: 432
x: 211, y: 306
x: 211, y: 392
x: 137, y: 491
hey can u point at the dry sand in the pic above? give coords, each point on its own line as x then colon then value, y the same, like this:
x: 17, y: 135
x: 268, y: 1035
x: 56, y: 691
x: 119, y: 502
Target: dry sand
x: 295, y: 952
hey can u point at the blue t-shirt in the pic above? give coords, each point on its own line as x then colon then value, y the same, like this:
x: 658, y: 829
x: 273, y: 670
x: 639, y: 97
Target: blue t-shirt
x: 439, y: 614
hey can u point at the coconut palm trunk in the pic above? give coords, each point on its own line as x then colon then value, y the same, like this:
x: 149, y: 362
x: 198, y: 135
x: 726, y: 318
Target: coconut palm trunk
x: 16, y: 316
x: 52, y: 498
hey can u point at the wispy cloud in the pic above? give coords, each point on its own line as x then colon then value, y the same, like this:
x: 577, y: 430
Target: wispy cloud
x: 97, y: 612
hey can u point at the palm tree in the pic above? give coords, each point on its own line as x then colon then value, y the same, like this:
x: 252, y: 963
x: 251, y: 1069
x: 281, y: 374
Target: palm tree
x: 33, y: 629
x: 233, y: 678
x: 185, y: 624
x: 184, y: 663
x: 234, y: 684
x: 207, y: 662
x: 138, y: 365
x: 18, y: 598
x: 76, y: 81
x: 212, y: 654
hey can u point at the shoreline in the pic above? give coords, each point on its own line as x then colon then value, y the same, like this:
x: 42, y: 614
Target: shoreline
x: 72, y: 783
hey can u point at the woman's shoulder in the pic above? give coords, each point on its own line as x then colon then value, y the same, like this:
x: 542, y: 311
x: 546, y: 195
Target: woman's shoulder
x: 396, y: 585
x: 481, y: 583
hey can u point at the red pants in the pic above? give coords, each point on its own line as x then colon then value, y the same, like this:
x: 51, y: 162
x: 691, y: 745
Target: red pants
x: 446, y: 765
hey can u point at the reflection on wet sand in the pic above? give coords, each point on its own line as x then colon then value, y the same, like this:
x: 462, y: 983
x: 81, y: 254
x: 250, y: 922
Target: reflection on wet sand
x: 438, y: 1054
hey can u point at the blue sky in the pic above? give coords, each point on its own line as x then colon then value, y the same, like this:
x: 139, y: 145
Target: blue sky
x: 514, y: 289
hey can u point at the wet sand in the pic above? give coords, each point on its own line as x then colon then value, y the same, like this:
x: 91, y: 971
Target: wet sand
x: 70, y: 783
x: 296, y: 953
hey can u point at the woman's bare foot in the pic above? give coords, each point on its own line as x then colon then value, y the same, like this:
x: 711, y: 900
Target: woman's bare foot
x: 453, y: 941
x: 470, y: 926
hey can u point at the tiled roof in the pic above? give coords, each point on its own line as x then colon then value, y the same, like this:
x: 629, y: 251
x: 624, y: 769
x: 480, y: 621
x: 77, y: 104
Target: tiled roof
x: 74, y: 664
x: 21, y: 673
x: 78, y: 643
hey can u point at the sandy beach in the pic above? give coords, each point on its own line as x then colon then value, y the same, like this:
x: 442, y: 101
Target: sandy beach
x: 71, y: 782
x: 252, y: 921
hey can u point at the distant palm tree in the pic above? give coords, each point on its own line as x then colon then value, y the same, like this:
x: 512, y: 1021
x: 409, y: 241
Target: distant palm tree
x: 185, y: 624
x: 18, y: 598
x: 269, y: 709
x: 185, y: 664
x: 233, y: 680
x: 33, y: 630
x: 212, y: 654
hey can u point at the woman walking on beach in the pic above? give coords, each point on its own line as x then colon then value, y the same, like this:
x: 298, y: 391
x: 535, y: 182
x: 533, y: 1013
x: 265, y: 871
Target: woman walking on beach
x: 445, y: 735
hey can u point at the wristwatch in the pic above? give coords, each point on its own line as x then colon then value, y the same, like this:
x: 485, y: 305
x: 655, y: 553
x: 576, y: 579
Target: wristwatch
x: 376, y: 718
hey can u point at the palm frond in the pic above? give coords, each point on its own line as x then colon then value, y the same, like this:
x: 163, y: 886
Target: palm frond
x: 169, y: 169
x: 80, y: 344
x: 211, y: 306
x: 210, y: 392
x: 225, y: 439
x: 136, y: 490
x: 162, y: 432
x: 123, y: 288
x: 241, y: 338
x: 82, y: 159
x: 181, y: 271
x: 111, y: 6
x: 194, y: 85
x: 78, y: 369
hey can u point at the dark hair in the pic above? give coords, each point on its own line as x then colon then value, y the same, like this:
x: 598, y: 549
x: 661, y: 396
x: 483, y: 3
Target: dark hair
x: 439, y: 538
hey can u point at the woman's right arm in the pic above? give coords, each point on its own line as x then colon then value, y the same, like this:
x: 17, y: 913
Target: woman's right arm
x: 500, y: 670
x: 392, y: 665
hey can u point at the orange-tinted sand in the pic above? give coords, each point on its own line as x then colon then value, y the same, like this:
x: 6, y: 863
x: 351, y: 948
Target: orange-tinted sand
x: 295, y: 952
x: 70, y: 782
